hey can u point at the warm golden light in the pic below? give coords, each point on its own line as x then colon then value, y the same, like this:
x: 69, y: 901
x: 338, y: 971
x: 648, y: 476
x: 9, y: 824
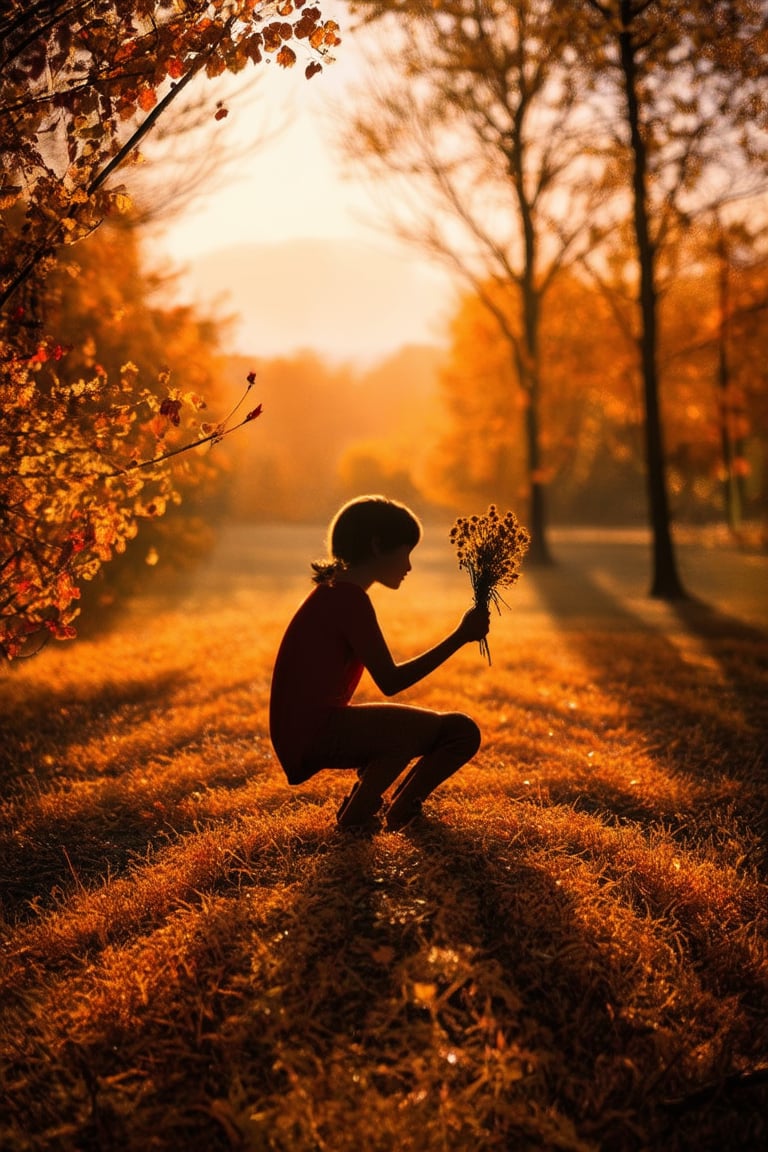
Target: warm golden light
x: 586, y: 888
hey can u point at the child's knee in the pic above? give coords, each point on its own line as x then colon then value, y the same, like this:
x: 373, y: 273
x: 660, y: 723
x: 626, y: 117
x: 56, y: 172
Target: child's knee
x: 462, y: 730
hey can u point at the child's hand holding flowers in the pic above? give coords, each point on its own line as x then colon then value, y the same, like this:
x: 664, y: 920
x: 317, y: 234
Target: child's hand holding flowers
x: 491, y: 549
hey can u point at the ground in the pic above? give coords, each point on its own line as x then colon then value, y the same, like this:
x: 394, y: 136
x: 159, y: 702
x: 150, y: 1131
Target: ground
x: 568, y: 952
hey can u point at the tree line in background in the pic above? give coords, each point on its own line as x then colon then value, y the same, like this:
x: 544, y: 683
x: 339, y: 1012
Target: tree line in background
x: 444, y: 427
x: 592, y: 171
x: 530, y: 137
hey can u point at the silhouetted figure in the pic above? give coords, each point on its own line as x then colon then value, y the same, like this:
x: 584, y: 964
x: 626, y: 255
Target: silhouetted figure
x: 333, y: 636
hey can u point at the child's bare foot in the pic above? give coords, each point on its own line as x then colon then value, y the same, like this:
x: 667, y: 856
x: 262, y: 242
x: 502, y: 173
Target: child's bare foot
x: 358, y: 810
x: 401, y: 815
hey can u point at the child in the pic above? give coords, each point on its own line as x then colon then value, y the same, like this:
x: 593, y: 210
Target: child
x: 333, y: 636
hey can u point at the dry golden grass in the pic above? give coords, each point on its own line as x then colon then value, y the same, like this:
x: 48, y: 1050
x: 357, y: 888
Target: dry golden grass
x: 568, y: 953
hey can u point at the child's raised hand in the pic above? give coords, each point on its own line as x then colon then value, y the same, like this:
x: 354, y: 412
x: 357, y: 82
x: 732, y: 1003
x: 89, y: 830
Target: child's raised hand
x: 475, y: 624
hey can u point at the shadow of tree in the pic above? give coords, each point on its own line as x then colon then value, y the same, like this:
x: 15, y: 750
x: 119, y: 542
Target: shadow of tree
x: 431, y: 991
x: 421, y: 944
x: 45, y: 721
x: 717, y: 707
x: 579, y: 997
x: 740, y: 650
x: 51, y: 842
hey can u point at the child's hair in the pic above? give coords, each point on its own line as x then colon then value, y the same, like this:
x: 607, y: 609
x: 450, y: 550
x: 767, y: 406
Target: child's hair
x: 358, y: 526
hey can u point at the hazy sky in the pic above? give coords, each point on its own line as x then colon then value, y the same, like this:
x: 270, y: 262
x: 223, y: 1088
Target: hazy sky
x: 290, y: 189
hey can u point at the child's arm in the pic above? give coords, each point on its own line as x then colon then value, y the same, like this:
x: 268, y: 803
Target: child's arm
x: 391, y: 678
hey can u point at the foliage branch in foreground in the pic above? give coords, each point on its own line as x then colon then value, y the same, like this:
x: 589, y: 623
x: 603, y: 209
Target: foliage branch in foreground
x: 81, y: 466
x: 81, y: 85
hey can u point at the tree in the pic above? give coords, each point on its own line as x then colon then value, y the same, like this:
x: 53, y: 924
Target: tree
x: 474, y: 457
x: 591, y: 416
x: 116, y: 310
x: 713, y: 324
x: 689, y: 82
x: 741, y: 315
x: 82, y: 83
x: 484, y: 125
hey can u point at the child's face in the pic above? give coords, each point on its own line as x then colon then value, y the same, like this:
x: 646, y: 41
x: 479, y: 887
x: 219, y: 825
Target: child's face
x: 392, y: 567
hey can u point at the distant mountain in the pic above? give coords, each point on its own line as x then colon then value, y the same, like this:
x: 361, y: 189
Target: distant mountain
x: 341, y: 298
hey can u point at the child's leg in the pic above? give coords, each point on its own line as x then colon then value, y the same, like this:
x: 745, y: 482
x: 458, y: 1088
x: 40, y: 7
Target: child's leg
x: 365, y: 799
x: 380, y: 740
x: 457, y: 742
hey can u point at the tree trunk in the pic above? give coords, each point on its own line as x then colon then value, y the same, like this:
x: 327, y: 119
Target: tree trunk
x: 732, y: 495
x: 666, y: 583
x: 539, y: 552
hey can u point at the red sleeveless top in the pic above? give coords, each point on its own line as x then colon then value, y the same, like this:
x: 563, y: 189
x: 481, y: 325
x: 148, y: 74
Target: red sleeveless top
x: 317, y: 669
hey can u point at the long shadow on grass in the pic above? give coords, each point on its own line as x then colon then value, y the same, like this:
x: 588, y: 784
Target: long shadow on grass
x: 288, y: 1025
x: 186, y: 1043
x: 706, y: 722
x: 297, y: 1009
x: 72, y: 853
x: 605, y: 1065
x: 739, y: 649
x: 336, y: 941
x: 419, y: 969
x: 445, y: 965
x: 333, y: 1008
x: 45, y: 722
x: 51, y: 845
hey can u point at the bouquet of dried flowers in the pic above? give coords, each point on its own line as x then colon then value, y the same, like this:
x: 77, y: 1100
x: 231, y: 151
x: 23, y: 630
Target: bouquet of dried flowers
x: 491, y: 549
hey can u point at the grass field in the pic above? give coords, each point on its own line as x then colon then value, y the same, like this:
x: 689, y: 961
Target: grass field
x: 568, y: 953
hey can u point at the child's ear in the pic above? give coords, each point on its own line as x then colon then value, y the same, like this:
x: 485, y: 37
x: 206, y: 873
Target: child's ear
x: 375, y: 547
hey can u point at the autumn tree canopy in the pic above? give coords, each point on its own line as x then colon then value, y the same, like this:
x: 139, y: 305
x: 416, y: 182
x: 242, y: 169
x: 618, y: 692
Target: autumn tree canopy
x: 480, y: 127
x: 87, y: 427
x: 82, y: 82
x: 672, y: 92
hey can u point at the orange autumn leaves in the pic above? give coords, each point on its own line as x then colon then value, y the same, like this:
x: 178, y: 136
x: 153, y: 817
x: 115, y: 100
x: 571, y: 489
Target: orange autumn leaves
x: 87, y: 427
x: 79, y: 91
x: 76, y: 488
x: 80, y: 87
x: 321, y: 37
